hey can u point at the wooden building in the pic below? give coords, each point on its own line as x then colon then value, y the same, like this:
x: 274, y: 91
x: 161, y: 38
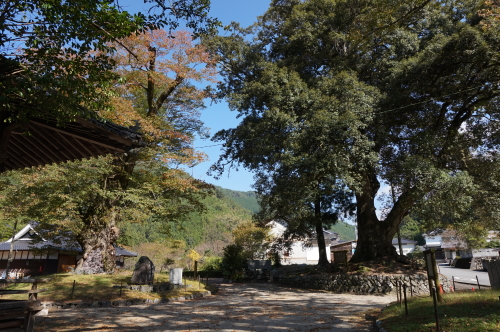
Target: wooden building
x: 350, y: 246
x: 38, y: 258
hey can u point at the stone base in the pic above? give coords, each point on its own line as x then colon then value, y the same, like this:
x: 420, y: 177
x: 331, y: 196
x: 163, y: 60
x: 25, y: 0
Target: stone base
x: 362, y: 284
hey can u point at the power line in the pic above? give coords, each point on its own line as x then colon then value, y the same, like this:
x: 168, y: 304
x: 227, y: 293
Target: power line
x: 382, y: 112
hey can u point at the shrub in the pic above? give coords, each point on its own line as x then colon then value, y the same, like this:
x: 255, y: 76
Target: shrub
x: 211, y: 263
x: 233, y: 261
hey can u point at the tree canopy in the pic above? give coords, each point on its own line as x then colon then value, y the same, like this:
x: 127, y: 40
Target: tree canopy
x: 45, y: 51
x: 403, y: 93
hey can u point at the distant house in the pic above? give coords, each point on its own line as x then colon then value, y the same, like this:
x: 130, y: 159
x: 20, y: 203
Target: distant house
x: 446, y: 243
x: 37, y: 258
x: 407, y: 245
x: 301, y: 254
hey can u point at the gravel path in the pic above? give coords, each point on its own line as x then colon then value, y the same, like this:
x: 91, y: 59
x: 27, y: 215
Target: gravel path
x: 236, y: 307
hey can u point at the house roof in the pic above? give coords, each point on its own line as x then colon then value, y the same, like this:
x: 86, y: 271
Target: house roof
x: 30, y: 245
x: 24, y: 242
x: 41, y: 142
x: 403, y: 241
x: 342, y: 243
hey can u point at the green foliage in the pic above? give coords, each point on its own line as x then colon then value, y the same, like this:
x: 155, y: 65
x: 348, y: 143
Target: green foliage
x: 493, y: 244
x: 346, y: 231
x: 211, y: 229
x: 412, y: 229
x: 363, y: 269
x: 48, y: 51
x: 354, y: 94
x: 254, y: 239
x: 211, y: 263
x: 69, y: 200
x: 233, y: 261
x: 246, y: 199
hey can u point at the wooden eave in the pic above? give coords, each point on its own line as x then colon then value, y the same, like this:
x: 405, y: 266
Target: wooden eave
x: 41, y: 142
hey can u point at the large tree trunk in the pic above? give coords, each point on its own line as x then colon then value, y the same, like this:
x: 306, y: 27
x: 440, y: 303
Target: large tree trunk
x: 97, y: 242
x: 320, y: 237
x: 374, y: 235
x: 99, y: 254
x: 98, y: 239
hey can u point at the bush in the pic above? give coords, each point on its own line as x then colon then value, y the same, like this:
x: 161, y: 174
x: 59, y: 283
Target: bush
x: 211, y: 263
x: 233, y: 261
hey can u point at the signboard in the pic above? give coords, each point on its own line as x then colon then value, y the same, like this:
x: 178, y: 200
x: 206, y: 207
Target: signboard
x: 340, y: 257
x: 259, y: 264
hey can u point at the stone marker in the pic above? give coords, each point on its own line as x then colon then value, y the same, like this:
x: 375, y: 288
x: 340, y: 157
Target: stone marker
x: 175, y: 276
x: 144, y: 272
x: 257, y: 264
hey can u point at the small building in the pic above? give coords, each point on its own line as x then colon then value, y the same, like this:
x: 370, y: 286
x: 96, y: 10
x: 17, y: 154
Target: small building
x: 38, y: 258
x: 350, y: 246
x: 300, y: 253
x: 446, y: 243
x: 408, y: 245
x: 434, y: 240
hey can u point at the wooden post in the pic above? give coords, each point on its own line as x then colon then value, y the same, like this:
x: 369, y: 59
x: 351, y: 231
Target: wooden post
x: 435, y: 298
x: 397, y: 292
x: 29, y: 318
x: 406, y: 302
x: 195, y: 269
x: 73, y: 289
x: 494, y: 273
x: 11, y: 250
x: 432, y: 272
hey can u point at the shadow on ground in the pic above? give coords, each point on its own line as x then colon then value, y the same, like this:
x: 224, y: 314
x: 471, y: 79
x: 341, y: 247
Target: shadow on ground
x: 236, y: 307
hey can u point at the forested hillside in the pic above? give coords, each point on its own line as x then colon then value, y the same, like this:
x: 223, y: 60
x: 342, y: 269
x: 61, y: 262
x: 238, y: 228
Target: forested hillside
x: 246, y: 199
x: 212, y: 228
x: 347, y: 232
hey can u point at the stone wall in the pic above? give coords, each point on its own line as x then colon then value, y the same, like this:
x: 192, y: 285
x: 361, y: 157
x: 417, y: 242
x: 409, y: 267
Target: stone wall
x: 362, y: 284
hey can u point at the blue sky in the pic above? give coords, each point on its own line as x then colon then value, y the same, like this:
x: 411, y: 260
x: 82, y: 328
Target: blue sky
x: 218, y: 116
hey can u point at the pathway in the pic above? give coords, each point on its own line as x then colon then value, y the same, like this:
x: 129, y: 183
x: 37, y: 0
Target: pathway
x: 237, y: 307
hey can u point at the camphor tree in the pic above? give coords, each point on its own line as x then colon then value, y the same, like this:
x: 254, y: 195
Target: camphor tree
x: 155, y: 91
x: 406, y: 92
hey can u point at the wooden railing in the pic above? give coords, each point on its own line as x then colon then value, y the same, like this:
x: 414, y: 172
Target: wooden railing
x: 21, y: 312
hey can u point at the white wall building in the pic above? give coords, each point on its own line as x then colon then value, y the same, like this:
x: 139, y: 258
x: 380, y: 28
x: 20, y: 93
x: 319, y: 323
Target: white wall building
x: 298, y: 253
x: 407, y: 245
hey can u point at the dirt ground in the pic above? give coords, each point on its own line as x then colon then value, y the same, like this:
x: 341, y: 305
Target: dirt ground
x: 236, y: 307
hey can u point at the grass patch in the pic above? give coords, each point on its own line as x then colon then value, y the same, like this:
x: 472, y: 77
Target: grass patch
x: 99, y: 287
x: 460, y: 312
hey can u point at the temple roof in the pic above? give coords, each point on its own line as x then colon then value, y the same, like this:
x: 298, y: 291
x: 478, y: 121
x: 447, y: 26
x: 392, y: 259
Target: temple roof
x: 41, y: 142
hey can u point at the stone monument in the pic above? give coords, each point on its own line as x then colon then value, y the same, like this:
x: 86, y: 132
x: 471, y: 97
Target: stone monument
x: 175, y: 276
x: 144, y: 272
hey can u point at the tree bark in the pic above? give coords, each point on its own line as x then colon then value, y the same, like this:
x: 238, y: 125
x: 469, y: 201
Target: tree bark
x: 99, y: 254
x: 10, y: 258
x: 320, y: 237
x: 374, y: 235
